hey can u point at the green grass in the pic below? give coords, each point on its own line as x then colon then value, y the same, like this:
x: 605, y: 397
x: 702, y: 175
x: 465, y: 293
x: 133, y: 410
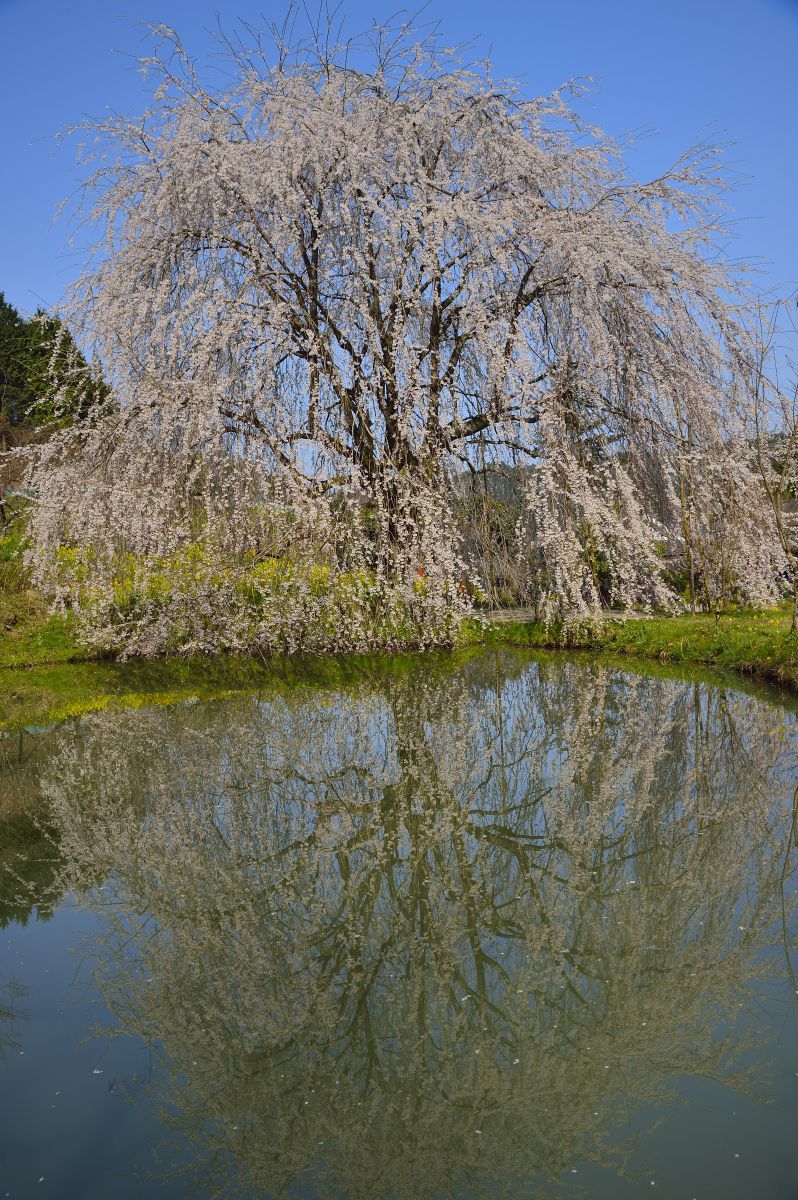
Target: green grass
x: 28, y: 633
x: 47, y: 640
x: 46, y: 675
x: 756, y: 644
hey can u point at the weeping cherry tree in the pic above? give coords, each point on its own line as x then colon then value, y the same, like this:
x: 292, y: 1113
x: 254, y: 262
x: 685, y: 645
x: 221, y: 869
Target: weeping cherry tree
x: 330, y: 286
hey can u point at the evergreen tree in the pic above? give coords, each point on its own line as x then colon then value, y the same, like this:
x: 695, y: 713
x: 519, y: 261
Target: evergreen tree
x: 43, y: 375
x: 14, y: 362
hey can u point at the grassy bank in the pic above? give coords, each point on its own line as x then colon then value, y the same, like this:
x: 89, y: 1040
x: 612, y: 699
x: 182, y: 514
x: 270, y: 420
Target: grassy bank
x: 29, y: 637
x: 758, y: 645
x: 45, y: 674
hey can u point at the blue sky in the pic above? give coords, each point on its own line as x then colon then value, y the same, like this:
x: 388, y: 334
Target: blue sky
x: 682, y: 68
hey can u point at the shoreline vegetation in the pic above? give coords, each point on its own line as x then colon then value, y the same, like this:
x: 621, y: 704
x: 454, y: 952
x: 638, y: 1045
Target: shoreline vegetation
x: 47, y: 676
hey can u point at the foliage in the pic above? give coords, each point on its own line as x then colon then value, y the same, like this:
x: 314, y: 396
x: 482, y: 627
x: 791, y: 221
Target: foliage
x: 43, y: 375
x: 196, y: 600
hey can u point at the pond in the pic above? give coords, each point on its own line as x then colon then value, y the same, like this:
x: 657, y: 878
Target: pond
x: 496, y: 926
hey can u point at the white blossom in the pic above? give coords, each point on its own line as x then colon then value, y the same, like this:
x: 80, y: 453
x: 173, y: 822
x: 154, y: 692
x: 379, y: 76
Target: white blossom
x: 322, y: 290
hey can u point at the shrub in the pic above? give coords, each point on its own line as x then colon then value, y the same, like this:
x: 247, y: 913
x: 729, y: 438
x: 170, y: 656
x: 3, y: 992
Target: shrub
x: 195, y: 600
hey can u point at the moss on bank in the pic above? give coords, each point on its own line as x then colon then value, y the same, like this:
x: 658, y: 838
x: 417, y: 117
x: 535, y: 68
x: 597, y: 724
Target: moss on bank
x: 46, y: 676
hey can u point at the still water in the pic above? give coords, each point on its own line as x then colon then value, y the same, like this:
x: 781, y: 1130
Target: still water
x: 508, y: 927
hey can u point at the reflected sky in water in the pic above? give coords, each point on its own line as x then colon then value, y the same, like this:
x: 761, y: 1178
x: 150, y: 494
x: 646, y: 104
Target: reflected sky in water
x: 493, y: 927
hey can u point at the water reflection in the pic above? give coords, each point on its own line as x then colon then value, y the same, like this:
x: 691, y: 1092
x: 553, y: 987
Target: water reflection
x: 432, y: 934
x: 28, y: 864
x: 29, y: 857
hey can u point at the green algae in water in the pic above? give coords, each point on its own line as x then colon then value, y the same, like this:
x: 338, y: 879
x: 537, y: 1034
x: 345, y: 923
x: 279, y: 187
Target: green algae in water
x: 488, y: 926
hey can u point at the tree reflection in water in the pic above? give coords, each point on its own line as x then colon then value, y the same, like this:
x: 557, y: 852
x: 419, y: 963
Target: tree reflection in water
x: 439, y: 933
